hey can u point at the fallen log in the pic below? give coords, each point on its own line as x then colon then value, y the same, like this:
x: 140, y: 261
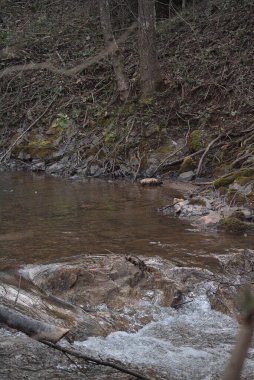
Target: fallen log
x: 50, y: 335
x: 35, y: 329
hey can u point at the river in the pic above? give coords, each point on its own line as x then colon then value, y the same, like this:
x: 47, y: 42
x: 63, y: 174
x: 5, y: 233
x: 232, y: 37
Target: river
x: 47, y: 220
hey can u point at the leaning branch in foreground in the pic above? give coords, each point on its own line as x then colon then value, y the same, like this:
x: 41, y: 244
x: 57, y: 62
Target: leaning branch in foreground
x: 91, y: 359
x: 49, y: 335
x: 235, y: 365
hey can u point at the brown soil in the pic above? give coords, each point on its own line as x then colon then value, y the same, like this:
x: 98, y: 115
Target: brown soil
x: 207, y: 63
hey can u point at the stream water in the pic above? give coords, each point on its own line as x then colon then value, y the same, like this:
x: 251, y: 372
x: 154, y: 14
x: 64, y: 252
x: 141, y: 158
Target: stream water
x: 47, y: 219
x: 50, y: 220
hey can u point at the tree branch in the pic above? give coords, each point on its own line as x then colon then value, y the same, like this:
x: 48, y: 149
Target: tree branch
x: 23, y: 133
x: 35, y: 329
x: 74, y: 70
x: 91, y: 359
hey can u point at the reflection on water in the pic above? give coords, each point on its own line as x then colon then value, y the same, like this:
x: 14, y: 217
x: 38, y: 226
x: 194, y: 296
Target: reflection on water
x: 46, y: 219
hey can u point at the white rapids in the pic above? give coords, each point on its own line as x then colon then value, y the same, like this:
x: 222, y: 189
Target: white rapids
x: 193, y: 342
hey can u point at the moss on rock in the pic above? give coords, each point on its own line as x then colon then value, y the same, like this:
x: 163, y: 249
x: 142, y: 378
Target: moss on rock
x: 195, y: 141
x: 244, y: 180
x: 232, y: 224
x: 235, y: 198
x: 223, y: 182
x: 239, y: 215
x: 197, y: 202
x: 187, y: 165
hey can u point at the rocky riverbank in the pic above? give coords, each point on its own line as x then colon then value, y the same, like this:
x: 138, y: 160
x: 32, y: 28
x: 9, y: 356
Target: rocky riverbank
x: 229, y: 208
x: 100, y: 295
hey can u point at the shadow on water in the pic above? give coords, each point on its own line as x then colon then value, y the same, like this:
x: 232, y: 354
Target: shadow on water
x: 47, y: 219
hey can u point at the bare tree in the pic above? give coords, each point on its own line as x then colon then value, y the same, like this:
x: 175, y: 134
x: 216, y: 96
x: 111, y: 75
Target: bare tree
x: 109, y: 38
x: 150, y: 75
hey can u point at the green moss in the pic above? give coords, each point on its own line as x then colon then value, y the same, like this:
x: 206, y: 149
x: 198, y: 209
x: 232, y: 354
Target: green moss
x: 39, y: 148
x: 187, y: 165
x: 147, y: 101
x: 57, y: 128
x: 164, y: 149
x: 238, y: 215
x: 110, y: 138
x: 195, y: 141
x: 245, y: 172
x: 223, y: 182
x: 197, y: 201
x: 242, y: 180
x: 235, y: 198
x: 233, y: 224
x: 109, y: 130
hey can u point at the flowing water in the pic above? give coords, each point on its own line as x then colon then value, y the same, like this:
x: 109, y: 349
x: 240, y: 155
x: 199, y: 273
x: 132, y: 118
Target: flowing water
x: 47, y: 219
x: 50, y: 220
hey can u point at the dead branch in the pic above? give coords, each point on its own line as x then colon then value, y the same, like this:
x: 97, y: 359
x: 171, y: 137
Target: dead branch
x: 174, y: 153
x: 35, y: 329
x: 180, y: 160
x: 205, y: 153
x: 74, y: 70
x: 139, y: 164
x: 209, y: 183
x: 234, y: 172
x: 91, y: 359
x: 168, y: 206
x: 23, y: 133
x: 241, y: 158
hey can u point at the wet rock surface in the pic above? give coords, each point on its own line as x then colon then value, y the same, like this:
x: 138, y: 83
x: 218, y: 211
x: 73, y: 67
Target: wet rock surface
x: 102, y: 295
x: 104, y: 286
x: 23, y: 358
x: 231, y: 212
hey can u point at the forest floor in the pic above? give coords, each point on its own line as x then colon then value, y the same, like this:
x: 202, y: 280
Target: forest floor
x: 202, y: 121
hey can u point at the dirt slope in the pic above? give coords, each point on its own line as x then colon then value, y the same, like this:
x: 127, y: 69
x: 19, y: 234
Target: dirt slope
x: 206, y: 56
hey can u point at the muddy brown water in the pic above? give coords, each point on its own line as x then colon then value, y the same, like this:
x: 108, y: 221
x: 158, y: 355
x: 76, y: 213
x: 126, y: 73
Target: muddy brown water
x: 51, y: 220
x: 46, y: 219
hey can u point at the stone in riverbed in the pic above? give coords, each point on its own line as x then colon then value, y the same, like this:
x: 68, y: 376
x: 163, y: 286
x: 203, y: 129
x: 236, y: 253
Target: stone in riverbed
x: 151, y: 182
x: 186, y: 176
x: 233, y: 224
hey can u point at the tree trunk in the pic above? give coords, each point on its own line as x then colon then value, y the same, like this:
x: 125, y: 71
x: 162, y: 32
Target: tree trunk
x: 35, y: 329
x: 150, y: 76
x: 122, y: 82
